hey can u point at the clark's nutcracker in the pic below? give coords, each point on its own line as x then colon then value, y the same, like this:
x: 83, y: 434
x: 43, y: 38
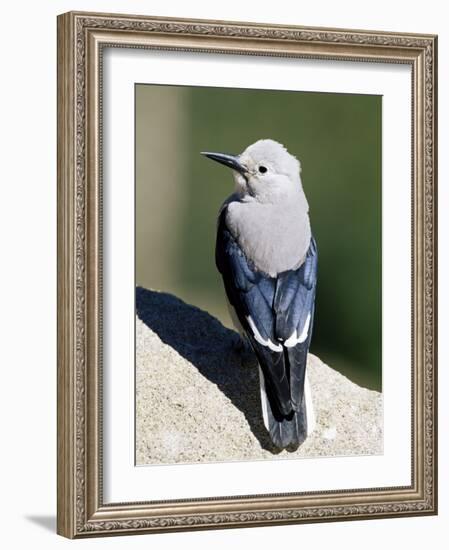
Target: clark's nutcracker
x: 267, y: 257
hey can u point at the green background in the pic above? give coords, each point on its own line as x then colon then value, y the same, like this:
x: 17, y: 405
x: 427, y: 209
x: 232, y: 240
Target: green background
x: 337, y: 138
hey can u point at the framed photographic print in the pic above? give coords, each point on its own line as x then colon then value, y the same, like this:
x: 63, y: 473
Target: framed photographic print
x: 246, y: 274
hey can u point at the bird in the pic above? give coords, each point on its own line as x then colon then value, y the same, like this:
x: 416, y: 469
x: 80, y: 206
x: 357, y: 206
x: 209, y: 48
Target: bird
x: 268, y: 258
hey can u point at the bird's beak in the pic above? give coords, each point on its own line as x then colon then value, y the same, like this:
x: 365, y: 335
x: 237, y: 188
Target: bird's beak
x: 232, y: 161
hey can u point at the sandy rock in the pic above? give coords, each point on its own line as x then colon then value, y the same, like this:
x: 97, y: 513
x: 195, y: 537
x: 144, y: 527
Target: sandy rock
x: 198, y: 399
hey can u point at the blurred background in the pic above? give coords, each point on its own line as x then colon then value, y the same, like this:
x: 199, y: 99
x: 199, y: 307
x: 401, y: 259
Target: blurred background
x: 337, y: 138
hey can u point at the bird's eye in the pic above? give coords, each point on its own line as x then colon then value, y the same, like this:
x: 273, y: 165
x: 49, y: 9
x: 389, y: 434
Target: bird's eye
x: 262, y: 169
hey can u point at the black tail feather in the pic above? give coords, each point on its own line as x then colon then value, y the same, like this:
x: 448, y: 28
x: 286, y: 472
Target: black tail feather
x: 290, y: 431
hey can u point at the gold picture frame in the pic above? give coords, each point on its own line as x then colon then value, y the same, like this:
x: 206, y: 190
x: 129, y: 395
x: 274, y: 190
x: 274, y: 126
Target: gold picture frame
x: 81, y: 40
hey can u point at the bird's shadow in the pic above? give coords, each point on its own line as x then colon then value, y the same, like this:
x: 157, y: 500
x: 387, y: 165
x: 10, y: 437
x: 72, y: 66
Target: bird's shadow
x: 211, y: 348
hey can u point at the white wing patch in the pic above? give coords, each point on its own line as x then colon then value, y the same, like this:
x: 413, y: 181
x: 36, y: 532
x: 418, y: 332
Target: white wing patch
x: 258, y: 337
x: 295, y: 339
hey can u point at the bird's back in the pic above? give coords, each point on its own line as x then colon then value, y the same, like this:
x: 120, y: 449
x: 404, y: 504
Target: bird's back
x: 275, y: 238
x: 276, y: 313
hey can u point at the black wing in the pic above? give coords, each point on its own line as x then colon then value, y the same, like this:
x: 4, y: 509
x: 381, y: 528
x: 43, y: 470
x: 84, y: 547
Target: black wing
x: 294, y: 306
x: 251, y: 293
x: 270, y: 310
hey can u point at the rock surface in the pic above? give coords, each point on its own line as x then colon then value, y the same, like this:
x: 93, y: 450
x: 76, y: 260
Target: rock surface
x: 197, y: 400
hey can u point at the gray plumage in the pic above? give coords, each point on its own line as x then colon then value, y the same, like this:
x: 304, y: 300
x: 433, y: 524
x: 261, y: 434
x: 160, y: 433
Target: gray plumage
x: 268, y: 260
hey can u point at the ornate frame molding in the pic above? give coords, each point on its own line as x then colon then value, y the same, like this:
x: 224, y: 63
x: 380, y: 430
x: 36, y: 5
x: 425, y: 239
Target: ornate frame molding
x: 81, y: 37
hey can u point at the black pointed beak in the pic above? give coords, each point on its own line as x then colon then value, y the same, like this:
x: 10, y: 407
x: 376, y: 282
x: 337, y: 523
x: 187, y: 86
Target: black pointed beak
x: 232, y: 161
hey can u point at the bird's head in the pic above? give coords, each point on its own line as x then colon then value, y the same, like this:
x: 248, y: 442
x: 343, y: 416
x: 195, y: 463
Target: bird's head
x: 265, y: 170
